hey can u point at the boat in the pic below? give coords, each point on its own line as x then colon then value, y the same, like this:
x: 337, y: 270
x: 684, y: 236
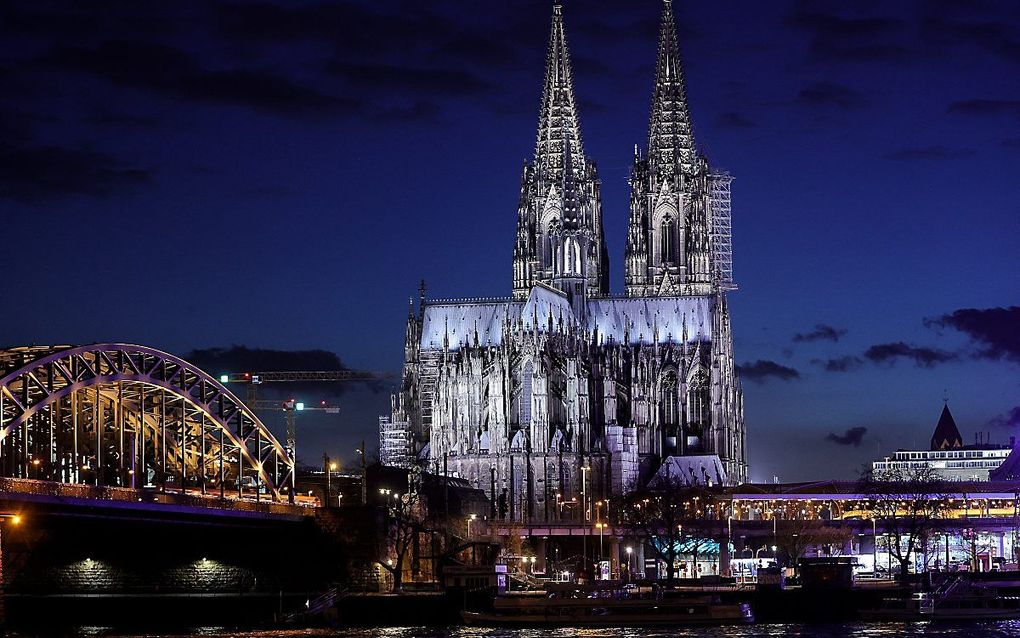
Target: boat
x: 952, y: 601
x: 608, y: 609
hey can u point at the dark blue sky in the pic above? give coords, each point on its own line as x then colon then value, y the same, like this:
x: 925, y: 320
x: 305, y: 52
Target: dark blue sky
x: 281, y: 175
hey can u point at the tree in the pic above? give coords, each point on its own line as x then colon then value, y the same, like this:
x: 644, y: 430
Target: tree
x: 908, y: 504
x: 405, y: 519
x: 795, y: 537
x: 671, y: 518
x: 975, y: 545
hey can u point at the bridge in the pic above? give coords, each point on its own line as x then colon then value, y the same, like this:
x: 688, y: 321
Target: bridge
x: 128, y: 423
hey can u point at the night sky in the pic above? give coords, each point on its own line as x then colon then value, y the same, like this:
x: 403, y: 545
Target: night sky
x: 281, y: 175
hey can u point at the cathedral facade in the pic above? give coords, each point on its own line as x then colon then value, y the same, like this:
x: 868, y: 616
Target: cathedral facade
x: 562, y: 394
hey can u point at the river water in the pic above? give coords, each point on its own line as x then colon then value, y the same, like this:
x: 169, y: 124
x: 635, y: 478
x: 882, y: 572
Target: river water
x: 836, y: 630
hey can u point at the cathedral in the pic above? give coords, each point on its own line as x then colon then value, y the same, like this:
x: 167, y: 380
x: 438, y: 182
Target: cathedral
x: 564, y: 394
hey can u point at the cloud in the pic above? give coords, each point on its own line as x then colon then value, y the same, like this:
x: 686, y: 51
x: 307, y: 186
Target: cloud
x: 1009, y: 419
x: 839, y: 38
x: 985, y: 107
x: 995, y: 331
x: 104, y: 117
x: 821, y: 332
x: 171, y: 71
x: 240, y: 358
x: 853, y: 436
x: 732, y: 119
x: 829, y: 94
x: 839, y: 364
x: 488, y: 52
x: 420, y: 111
x: 32, y: 173
x: 834, y: 26
x: 993, y: 34
x: 923, y: 357
x: 762, y: 370
x: 928, y: 153
x: 413, y: 80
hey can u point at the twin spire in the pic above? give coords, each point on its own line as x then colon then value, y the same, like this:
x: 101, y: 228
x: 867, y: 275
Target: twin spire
x: 670, y: 136
x: 560, y: 238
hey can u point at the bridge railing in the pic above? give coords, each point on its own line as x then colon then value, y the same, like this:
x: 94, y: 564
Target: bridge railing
x: 125, y: 494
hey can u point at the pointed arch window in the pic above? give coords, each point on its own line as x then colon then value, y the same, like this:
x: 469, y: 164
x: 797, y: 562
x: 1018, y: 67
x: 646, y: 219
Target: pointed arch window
x: 552, y: 244
x: 670, y: 399
x: 527, y: 381
x: 699, y: 399
x: 669, y: 247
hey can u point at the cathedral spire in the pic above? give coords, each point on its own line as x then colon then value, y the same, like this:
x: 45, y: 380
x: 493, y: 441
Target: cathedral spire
x: 559, y: 131
x: 670, y: 138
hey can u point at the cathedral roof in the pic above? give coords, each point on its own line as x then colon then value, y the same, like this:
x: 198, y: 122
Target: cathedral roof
x: 545, y: 302
x: 946, y: 434
x: 630, y: 320
x: 454, y: 324
x: 640, y: 319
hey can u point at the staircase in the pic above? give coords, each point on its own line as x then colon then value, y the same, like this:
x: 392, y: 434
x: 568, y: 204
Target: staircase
x: 315, y: 606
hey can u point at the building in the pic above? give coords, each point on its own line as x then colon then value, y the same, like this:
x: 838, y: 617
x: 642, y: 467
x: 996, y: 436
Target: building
x: 948, y: 456
x: 562, y: 392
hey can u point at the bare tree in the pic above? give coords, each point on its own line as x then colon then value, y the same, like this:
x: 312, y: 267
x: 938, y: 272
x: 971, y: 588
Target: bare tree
x: 672, y: 518
x: 796, y: 537
x: 908, y: 503
x: 405, y: 519
x: 974, y: 545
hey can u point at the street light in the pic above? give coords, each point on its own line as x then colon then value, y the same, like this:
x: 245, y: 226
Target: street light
x: 874, y: 548
x: 329, y: 476
x: 585, y: 512
x: 364, y: 481
x: 630, y: 566
x: 470, y: 518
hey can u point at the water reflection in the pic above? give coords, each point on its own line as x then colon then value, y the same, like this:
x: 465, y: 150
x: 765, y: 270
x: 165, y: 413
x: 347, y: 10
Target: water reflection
x: 1001, y: 629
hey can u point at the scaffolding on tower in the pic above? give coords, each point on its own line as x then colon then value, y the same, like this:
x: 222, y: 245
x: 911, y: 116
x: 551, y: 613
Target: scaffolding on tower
x: 721, y: 237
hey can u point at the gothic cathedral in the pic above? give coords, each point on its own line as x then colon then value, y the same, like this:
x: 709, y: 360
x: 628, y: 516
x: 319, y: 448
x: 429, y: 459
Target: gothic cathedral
x: 564, y: 388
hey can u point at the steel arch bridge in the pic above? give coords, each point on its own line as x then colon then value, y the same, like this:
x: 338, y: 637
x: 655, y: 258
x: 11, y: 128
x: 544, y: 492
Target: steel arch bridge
x: 115, y: 414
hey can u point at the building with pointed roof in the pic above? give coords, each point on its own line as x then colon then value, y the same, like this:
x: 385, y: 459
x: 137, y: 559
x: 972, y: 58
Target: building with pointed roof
x: 948, y: 457
x: 946, y: 434
x: 562, y: 394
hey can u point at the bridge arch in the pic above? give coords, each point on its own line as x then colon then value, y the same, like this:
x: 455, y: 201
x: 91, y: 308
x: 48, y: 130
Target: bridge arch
x: 133, y: 416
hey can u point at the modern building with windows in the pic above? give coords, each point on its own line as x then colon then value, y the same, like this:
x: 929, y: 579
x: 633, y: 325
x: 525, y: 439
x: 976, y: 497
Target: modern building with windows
x: 948, y: 456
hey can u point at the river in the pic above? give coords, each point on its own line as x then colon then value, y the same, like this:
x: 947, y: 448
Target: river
x: 835, y: 630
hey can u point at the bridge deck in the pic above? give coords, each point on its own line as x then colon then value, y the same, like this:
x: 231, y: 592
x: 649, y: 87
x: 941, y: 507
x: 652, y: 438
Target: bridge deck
x: 149, y: 499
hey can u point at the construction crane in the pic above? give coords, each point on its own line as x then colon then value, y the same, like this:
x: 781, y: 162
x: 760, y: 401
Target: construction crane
x: 254, y: 379
x: 290, y: 408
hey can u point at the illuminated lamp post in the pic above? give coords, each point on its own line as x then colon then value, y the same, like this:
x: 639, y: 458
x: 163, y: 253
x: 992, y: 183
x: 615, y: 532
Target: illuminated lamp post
x: 364, y: 478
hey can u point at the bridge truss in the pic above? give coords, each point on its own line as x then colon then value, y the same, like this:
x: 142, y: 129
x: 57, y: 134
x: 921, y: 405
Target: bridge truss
x: 131, y: 416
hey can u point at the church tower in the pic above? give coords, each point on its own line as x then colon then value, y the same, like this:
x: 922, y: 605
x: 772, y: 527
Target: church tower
x: 668, y: 237
x: 560, y: 240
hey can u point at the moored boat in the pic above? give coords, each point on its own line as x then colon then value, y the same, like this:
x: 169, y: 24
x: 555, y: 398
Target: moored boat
x: 608, y: 609
x: 972, y: 605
